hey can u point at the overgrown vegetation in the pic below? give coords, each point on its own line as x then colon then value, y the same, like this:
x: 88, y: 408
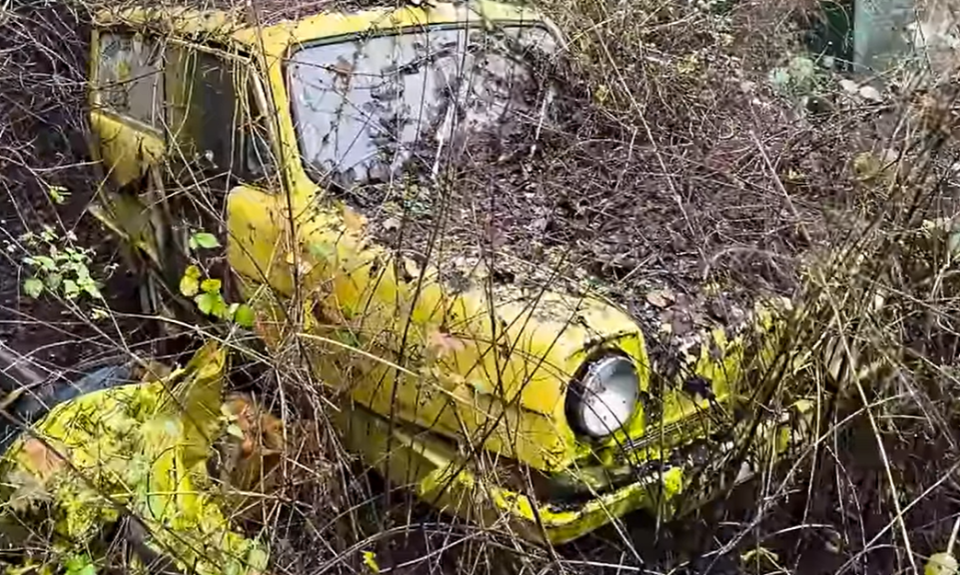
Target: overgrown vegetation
x: 700, y: 160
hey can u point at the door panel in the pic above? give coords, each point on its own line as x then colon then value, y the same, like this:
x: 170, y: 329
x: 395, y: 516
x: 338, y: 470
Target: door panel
x: 127, y: 151
x: 126, y: 111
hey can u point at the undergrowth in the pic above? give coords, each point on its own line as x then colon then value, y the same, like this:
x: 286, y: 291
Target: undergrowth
x: 699, y: 160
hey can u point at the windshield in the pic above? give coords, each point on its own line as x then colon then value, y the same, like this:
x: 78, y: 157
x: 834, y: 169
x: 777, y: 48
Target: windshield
x: 367, y: 107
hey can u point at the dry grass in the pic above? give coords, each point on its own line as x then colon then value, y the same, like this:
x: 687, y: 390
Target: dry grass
x: 671, y: 164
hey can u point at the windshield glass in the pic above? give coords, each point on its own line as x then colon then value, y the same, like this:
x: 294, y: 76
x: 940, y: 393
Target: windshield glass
x: 367, y: 107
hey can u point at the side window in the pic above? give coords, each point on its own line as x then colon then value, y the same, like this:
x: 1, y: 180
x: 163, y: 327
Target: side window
x: 129, y: 76
x: 258, y: 160
x: 214, y: 118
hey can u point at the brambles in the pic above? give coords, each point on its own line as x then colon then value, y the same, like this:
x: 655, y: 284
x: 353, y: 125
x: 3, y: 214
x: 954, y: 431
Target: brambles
x: 652, y: 190
x: 56, y: 265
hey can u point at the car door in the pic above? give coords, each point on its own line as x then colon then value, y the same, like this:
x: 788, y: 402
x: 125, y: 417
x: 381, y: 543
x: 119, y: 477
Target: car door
x: 218, y: 141
x: 126, y: 102
x: 127, y: 136
x: 176, y: 125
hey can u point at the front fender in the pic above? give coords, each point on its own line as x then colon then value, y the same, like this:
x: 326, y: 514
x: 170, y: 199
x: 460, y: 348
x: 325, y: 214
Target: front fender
x: 488, y: 372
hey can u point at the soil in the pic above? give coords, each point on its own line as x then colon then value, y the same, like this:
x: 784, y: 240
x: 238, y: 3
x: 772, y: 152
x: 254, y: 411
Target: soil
x: 42, y: 144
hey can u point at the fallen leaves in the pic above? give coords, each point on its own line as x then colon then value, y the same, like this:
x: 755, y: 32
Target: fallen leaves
x: 661, y: 298
x: 42, y: 460
x: 443, y: 344
x: 353, y: 220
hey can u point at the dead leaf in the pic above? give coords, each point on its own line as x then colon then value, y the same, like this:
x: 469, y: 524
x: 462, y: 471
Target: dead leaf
x: 849, y: 86
x: 661, y: 298
x: 353, y: 220
x: 260, y: 443
x: 442, y: 343
x: 870, y: 93
x: 42, y: 460
x: 390, y: 224
x: 28, y: 490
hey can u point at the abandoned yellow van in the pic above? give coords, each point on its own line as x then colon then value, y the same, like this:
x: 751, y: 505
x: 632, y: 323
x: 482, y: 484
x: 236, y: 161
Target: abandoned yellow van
x: 538, y: 412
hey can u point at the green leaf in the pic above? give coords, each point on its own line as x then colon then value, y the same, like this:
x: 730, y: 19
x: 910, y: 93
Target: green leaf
x: 33, y: 287
x: 80, y: 565
x: 70, y: 289
x: 234, y: 430
x: 58, y: 194
x: 941, y: 564
x: 204, y: 240
x: 210, y: 285
x: 53, y: 281
x: 91, y: 287
x: 211, y: 304
x: 257, y: 559
x: 205, y: 302
x: 83, y: 274
x: 244, y: 316
x: 189, y: 286
x: 45, y: 262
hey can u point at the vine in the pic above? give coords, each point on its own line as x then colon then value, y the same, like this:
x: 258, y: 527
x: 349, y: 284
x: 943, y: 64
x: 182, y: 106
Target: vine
x: 206, y: 291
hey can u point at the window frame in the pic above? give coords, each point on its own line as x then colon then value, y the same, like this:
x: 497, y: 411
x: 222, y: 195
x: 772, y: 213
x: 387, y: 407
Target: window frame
x: 254, y: 87
x: 97, y: 92
x: 296, y: 47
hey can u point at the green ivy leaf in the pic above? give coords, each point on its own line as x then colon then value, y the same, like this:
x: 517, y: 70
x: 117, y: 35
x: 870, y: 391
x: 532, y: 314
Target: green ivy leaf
x: 190, y: 282
x: 211, y: 304
x: 210, y: 285
x: 33, y: 287
x: 244, y: 316
x: 70, y: 289
x: 204, y: 240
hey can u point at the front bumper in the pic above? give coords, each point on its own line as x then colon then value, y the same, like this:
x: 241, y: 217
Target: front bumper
x: 432, y: 467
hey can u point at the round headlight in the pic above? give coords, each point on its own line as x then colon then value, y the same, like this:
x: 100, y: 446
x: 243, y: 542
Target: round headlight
x: 603, y: 398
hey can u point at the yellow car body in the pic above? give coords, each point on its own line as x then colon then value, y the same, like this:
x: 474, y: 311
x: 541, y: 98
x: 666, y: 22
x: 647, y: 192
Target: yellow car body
x: 440, y: 389
x: 83, y: 460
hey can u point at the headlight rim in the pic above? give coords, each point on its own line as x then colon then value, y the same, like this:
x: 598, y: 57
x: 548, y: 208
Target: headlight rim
x: 573, y: 399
